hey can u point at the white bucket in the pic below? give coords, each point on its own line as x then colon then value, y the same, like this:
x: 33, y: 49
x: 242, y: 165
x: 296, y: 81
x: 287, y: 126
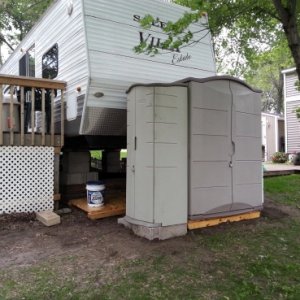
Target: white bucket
x: 95, y: 193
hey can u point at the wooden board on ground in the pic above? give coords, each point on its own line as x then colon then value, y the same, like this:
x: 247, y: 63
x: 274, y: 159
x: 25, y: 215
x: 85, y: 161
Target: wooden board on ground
x: 114, y: 207
x: 196, y: 224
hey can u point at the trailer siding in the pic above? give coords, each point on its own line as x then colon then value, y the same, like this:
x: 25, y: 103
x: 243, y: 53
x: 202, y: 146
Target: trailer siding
x: 111, y: 36
x: 56, y: 26
x: 95, y: 45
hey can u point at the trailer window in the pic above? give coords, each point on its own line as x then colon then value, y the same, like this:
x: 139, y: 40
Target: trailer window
x: 50, y: 63
x: 22, y: 65
x: 27, y: 63
x: 31, y: 61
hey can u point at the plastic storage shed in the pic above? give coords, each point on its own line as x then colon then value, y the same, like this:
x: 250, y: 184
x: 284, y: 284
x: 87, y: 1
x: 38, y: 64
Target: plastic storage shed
x: 156, y: 191
x: 225, y: 169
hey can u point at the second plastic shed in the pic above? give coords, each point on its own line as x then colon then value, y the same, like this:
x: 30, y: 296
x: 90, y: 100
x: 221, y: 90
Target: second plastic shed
x: 225, y: 171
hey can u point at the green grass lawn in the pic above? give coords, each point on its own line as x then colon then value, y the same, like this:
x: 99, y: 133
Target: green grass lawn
x: 257, y: 259
x: 283, y: 189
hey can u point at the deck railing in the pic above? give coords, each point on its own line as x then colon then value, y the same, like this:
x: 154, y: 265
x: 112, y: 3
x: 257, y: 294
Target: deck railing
x: 18, y: 93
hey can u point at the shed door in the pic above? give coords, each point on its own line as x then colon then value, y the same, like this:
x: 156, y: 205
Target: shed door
x: 246, y: 136
x: 140, y: 204
x: 210, y: 148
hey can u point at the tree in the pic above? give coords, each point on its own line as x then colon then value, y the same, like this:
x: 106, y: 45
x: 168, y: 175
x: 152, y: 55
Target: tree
x: 17, y: 17
x: 264, y: 72
x: 252, y: 26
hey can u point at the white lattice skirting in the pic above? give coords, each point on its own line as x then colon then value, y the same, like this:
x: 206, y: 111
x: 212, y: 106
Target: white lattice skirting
x: 27, y: 179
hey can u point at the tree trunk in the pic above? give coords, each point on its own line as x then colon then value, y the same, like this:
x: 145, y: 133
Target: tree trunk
x: 3, y: 40
x: 278, y: 84
x: 288, y: 17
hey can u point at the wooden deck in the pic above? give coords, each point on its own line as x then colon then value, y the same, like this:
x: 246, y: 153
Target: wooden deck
x: 115, y: 206
x: 27, y: 140
x: 20, y: 98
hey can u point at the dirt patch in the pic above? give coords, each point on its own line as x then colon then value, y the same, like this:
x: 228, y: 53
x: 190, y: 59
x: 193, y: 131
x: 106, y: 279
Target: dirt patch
x: 26, y: 242
x: 275, y: 211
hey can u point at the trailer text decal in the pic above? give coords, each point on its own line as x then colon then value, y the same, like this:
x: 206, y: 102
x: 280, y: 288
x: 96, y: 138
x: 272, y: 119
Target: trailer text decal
x: 156, y: 42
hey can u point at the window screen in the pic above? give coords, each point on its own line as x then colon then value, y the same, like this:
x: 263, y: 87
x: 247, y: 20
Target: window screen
x: 50, y: 63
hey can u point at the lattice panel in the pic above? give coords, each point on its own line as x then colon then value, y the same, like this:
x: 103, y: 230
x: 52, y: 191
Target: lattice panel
x: 27, y: 179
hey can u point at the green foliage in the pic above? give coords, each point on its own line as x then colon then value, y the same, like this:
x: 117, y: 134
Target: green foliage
x: 297, y: 111
x: 264, y: 72
x: 241, y: 29
x: 17, y: 17
x: 96, y: 154
x: 177, y: 32
x: 280, y: 157
x: 250, y: 43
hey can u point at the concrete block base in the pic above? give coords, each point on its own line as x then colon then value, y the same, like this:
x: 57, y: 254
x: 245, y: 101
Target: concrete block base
x: 153, y: 232
x: 48, y: 218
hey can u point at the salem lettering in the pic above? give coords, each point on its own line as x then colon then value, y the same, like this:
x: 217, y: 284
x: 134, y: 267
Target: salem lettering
x: 157, y: 22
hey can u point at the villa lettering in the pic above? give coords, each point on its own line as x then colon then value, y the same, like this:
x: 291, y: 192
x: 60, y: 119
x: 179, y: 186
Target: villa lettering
x: 153, y: 41
x: 156, y: 42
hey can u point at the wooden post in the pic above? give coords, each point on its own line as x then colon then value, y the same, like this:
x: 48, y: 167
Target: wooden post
x: 1, y: 115
x: 32, y: 115
x: 43, y: 117
x: 52, y: 117
x: 11, y: 116
x: 22, y: 116
x: 62, y: 124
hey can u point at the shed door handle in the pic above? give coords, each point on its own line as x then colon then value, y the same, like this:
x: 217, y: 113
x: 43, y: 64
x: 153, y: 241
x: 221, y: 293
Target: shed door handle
x: 233, y: 147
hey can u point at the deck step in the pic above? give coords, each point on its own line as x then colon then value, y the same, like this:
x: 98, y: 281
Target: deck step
x: 115, y: 206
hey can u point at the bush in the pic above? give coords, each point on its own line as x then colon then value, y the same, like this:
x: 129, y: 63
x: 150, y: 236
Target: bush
x: 280, y: 157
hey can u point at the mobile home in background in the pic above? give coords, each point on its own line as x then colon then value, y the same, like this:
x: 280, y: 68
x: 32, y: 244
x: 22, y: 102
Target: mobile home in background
x: 291, y: 103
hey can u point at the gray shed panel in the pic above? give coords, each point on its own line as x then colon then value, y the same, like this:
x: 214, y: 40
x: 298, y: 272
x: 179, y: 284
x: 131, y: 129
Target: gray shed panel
x: 225, y: 148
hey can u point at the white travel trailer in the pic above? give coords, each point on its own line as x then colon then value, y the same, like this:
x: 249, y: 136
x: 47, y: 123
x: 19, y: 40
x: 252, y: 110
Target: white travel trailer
x: 89, y: 44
